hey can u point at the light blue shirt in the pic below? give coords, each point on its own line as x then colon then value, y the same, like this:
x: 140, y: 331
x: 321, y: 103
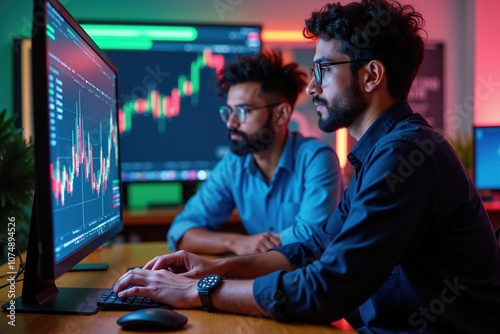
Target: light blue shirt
x: 300, y: 197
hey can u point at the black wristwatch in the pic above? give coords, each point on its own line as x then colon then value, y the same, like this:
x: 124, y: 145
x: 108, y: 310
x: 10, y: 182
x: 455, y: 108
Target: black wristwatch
x: 206, y: 286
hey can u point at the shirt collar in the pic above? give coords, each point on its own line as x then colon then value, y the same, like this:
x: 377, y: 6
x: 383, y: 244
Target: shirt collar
x: 286, y: 159
x: 383, y: 125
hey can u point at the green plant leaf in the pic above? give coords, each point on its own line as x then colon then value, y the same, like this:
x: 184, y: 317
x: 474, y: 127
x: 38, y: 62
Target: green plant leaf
x: 17, y: 178
x: 462, y: 143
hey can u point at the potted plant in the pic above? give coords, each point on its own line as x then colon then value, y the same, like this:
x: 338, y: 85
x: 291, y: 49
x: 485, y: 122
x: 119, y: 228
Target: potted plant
x: 462, y: 143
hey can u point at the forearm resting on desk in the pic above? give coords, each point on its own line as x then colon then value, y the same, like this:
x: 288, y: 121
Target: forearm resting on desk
x: 199, y: 240
x: 244, y: 266
x: 251, y: 266
x: 237, y: 297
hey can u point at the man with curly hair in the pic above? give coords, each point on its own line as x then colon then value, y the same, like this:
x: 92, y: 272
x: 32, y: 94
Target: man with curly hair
x: 409, y: 249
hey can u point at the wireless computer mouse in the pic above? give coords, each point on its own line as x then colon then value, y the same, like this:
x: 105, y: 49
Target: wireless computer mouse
x: 159, y: 318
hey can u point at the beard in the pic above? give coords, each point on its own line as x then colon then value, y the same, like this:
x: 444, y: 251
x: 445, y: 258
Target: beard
x: 256, y: 142
x: 346, y: 108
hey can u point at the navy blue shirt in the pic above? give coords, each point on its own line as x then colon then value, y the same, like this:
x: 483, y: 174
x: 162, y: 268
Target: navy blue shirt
x: 410, y: 248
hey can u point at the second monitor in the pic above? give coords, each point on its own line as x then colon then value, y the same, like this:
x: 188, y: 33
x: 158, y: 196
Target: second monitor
x: 170, y: 129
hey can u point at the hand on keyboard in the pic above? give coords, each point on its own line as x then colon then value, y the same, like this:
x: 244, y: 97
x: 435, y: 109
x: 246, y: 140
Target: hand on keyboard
x: 111, y: 301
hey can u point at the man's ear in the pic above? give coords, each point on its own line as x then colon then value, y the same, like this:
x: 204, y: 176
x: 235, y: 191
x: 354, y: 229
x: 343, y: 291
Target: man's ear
x: 373, y: 75
x: 282, y: 114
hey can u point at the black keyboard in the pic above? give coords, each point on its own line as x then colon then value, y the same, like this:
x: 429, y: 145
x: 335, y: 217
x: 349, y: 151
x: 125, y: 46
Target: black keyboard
x: 111, y: 301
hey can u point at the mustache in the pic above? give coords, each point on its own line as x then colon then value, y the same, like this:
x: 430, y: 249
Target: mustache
x: 236, y: 132
x: 319, y: 100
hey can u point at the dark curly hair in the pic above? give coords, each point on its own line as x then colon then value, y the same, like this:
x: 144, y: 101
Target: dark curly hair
x: 375, y: 29
x: 267, y: 69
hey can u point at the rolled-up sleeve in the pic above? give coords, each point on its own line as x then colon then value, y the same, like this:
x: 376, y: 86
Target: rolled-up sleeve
x: 209, y: 208
x: 269, y: 291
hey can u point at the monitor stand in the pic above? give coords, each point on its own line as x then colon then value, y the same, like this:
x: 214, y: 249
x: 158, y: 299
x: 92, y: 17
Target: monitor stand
x: 67, y: 301
x: 90, y: 266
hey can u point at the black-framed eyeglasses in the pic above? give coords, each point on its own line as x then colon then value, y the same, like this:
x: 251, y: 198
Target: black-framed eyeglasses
x: 240, y: 112
x: 317, y: 70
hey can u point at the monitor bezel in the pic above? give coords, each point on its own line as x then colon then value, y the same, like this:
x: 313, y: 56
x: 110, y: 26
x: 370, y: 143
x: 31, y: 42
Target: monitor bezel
x: 259, y: 26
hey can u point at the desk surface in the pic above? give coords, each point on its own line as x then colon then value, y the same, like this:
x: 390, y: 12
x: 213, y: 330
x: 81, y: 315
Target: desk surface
x: 120, y: 257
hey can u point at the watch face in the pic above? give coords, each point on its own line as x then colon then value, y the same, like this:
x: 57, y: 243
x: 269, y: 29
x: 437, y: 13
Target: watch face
x: 209, y: 282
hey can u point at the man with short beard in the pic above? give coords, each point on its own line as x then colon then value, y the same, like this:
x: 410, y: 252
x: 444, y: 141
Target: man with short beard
x: 284, y: 186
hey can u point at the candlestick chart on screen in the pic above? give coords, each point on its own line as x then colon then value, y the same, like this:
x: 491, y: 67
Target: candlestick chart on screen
x: 84, y: 151
x: 88, y: 163
x: 164, y: 106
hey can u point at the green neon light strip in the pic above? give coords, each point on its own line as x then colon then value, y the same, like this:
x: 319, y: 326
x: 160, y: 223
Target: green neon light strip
x: 136, y: 36
x: 120, y: 44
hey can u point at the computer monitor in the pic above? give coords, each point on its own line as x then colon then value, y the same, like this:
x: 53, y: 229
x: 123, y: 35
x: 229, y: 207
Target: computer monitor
x: 171, y: 131
x: 487, y: 157
x: 78, y: 189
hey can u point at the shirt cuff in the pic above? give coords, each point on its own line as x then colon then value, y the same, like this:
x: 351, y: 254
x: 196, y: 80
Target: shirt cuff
x: 177, y: 231
x: 294, y: 253
x: 268, y: 295
x: 287, y: 237
x: 267, y: 290
x: 296, y: 233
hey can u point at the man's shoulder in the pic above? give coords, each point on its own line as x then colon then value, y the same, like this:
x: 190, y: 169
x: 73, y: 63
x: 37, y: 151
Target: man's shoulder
x: 411, y: 133
x: 307, y: 148
x: 309, y: 143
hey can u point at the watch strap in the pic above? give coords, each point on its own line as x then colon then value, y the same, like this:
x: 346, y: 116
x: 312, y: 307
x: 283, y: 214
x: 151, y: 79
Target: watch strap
x: 206, y: 301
